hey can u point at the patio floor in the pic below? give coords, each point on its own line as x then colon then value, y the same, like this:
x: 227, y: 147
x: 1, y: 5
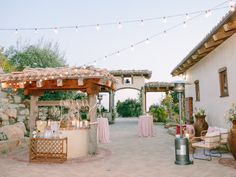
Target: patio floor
x: 126, y: 155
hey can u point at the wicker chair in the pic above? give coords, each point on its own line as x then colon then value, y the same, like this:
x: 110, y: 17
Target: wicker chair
x: 208, y: 142
x: 224, y: 140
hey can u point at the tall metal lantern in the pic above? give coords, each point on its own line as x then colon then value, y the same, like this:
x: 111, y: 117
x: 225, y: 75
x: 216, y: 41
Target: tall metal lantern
x: 181, y: 143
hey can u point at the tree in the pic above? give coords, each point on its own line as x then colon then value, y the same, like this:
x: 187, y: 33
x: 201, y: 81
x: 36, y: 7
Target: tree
x: 158, y: 112
x: 5, y: 64
x: 129, y: 108
x: 42, y: 55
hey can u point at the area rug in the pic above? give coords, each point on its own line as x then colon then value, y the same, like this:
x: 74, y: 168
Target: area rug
x: 229, y: 162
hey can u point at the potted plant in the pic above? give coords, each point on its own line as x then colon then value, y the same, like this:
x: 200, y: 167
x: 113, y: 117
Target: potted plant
x: 231, y: 116
x: 200, y: 123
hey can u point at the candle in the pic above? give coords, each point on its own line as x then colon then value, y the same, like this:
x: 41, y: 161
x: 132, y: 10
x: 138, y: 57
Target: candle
x: 80, y: 124
x: 86, y: 123
x: 187, y: 135
x: 73, y: 123
x: 77, y: 124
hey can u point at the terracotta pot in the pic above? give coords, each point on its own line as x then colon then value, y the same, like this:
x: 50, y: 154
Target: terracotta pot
x: 200, y: 124
x: 232, y: 139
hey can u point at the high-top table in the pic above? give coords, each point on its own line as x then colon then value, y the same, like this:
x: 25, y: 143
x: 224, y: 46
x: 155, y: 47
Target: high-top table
x: 145, y: 126
x: 103, y: 130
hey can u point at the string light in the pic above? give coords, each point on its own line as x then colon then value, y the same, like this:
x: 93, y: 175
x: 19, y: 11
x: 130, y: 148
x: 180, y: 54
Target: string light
x: 184, y: 24
x: 232, y: 6
x: 105, y: 58
x: 187, y: 16
x: 118, y: 53
x: 16, y: 31
x: 131, y: 47
x: 208, y: 13
x: 120, y: 25
x: 142, y: 22
x: 164, y: 32
x: 55, y: 30
x: 94, y: 63
x: 35, y: 31
x: 147, y: 41
x: 164, y: 19
x: 98, y: 26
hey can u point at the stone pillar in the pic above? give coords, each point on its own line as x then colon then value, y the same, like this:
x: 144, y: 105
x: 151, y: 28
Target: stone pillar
x: 169, y: 107
x: 33, y: 113
x: 143, y: 100
x: 93, y: 128
x: 111, y: 104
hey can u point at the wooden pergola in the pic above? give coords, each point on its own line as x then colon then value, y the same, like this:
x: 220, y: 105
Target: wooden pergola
x: 35, y: 81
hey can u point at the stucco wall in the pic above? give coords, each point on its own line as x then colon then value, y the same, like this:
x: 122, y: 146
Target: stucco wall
x: 138, y: 83
x: 206, y: 71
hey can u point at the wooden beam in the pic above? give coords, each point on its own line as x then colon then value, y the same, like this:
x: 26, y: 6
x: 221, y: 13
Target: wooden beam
x: 33, y: 113
x: 230, y: 26
x: 203, y: 50
x: 213, y: 43
x: 223, y: 35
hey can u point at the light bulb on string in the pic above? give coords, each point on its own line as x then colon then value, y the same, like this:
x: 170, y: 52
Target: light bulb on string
x: 98, y: 27
x: 105, y: 58
x: 208, y: 13
x: 132, y: 48
x: 118, y: 53
x: 35, y: 31
x: 164, y: 32
x: 147, y: 41
x: 55, y: 30
x: 232, y: 5
x: 120, y: 25
x: 184, y: 24
x: 164, y: 19
x: 187, y: 16
x: 76, y: 28
x: 94, y: 63
x: 16, y: 31
x: 141, y: 22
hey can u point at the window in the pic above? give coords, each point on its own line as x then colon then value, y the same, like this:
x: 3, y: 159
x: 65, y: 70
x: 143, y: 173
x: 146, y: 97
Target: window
x: 127, y: 80
x: 223, y: 82
x: 197, y: 90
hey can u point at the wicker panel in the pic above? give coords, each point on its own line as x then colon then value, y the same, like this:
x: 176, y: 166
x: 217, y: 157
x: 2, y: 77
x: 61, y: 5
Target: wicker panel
x: 48, y: 150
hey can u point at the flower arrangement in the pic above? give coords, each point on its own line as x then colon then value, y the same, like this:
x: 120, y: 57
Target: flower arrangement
x: 199, y: 112
x: 231, y: 113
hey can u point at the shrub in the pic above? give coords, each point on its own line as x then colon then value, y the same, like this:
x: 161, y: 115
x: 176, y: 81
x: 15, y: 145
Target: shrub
x: 158, y: 112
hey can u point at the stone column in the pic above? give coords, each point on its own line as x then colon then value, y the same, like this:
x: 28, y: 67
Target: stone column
x: 33, y: 113
x: 93, y: 128
x: 169, y: 107
x: 143, y: 100
x: 111, y: 104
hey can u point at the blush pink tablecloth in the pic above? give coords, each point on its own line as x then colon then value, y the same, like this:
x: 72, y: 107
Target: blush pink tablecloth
x: 103, y: 130
x: 145, y: 126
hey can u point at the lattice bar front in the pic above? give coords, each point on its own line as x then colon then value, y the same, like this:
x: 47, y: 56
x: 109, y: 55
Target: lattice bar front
x: 48, y: 150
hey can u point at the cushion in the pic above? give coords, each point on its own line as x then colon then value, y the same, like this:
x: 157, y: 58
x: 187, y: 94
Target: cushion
x: 211, y: 134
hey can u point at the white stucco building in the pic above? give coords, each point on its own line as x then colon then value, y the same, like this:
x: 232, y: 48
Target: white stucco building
x: 210, y: 70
